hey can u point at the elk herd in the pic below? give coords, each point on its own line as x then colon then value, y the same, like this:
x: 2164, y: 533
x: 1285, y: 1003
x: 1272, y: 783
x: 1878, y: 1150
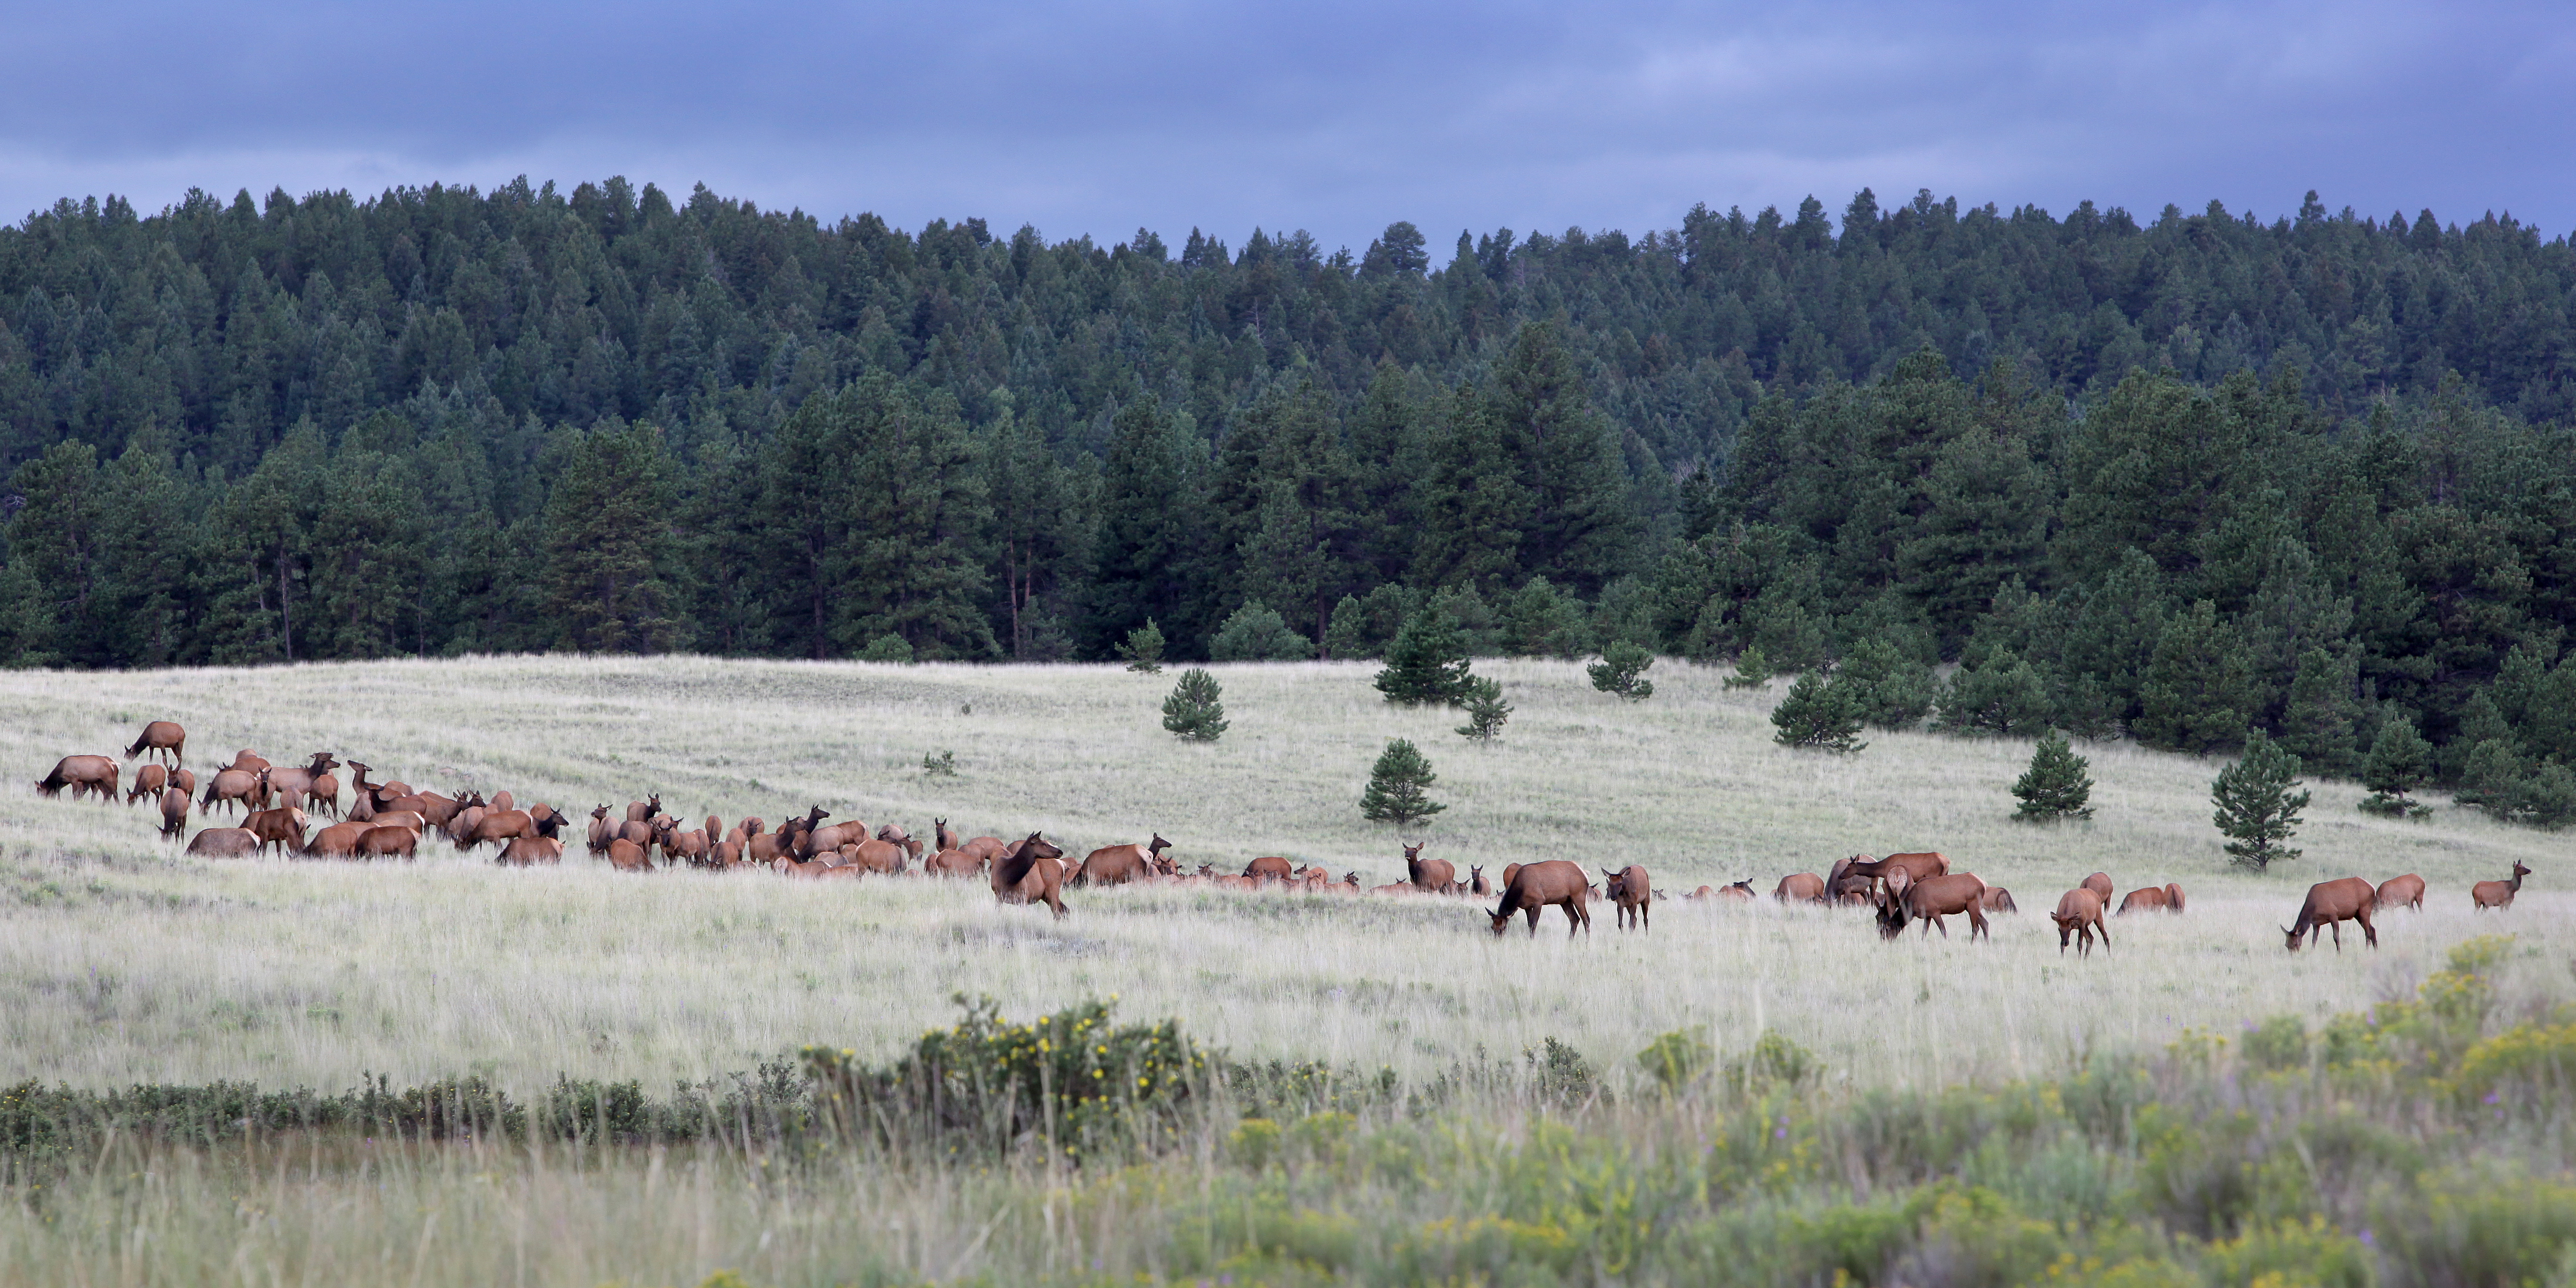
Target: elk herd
x: 390, y: 819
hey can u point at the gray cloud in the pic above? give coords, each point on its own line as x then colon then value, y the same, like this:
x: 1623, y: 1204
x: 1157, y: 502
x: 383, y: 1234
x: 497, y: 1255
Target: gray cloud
x: 1101, y: 117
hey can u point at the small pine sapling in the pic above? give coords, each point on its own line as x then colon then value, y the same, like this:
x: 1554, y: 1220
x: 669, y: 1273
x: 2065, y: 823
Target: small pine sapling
x: 1486, y: 709
x: 1398, y: 787
x: 1142, y: 650
x: 1622, y: 670
x: 1194, y: 711
x: 2055, y: 786
x: 2258, y: 808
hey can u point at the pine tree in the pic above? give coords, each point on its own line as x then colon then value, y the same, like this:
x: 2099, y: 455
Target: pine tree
x: 1895, y: 691
x: 1142, y: 650
x: 1486, y: 709
x: 2055, y: 786
x: 609, y: 541
x: 1398, y: 786
x: 1819, y: 713
x: 1622, y: 670
x: 2258, y: 810
x: 2398, y: 762
x: 1427, y: 664
x: 1255, y: 633
x: 1752, y: 670
x: 2317, y: 725
x: 2198, y: 693
x: 1998, y: 693
x: 1194, y: 711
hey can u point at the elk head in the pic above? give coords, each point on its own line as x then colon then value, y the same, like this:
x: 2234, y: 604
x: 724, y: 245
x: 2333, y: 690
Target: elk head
x: 1157, y: 845
x: 2293, y: 937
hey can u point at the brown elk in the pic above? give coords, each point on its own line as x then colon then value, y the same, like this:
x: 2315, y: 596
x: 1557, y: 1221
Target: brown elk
x: 940, y: 837
x: 1397, y: 890
x: 2401, y: 892
x: 338, y: 841
x: 223, y: 843
x: 1435, y: 875
x: 2173, y: 896
x: 1740, y: 891
x: 1270, y: 867
x: 643, y: 811
x: 2100, y: 884
x: 1476, y: 882
x: 896, y: 835
x: 250, y: 760
x: 2079, y: 915
x: 1348, y: 885
x: 165, y: 737
x: 498, y: 826
x: 1121, y: 864
x: 821, y: 838
x: 1508, y: 870
x: 324, y: 795
x: 2498, y: 894
x: 874, y: 855
x: 2330, y: 904
x: 387, y: 842
x: 1635, y: 893
x: 2147, y: 899
x: 501, y: 800
x: 626, y: 856
x: 293, y: 783
x: 601, y: 830
x: 401, y: 818
x: 541, y: 848
x: 952, y: 863
x: 282, y: 827
x: 174, y: 811
x: 1551, y: 883
x: 1998, y: 899
x: 1800, y: 887
x: 1033, y: 872
x: 149, y: 779
x: 1915, y: 867
x: 691, y: 847
x: 1932, y: 899
x: 83, y: 774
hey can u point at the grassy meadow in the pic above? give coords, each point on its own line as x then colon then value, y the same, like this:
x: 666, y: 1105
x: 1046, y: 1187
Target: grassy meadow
x: 123, y: 962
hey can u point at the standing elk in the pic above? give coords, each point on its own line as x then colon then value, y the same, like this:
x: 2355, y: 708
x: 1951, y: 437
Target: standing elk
x: 523, y: 851
x: 282, y: 827
x: 2146, y: 899
x: 1932, y: 899
x: 1553, y: 883
x: 2401, y: 892
x: 2100, y: 884
x: 2079, y: 914
x: 1635, y: 893
x: 83, y: 774
x: 1269, y: 868
x: 2498, y: 894
x: 626, y: 856
x: 294, y: 783
x: 240, y: 788
x: 643, y: 811
x: 1800, y: 887
x: 149, y: 780
x: 1033, y: 872
x: 1434, y: 875
x: 2330, y: 904
x: 1998, y: 899
x: 601, y: 830
x: 174, y: 812
x: 165, y: 737
x: 386, y: 842
x: 1121, y: 864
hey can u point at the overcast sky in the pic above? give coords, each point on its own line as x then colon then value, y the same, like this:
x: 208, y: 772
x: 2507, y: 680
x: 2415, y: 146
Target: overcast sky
x: 1334, y: 117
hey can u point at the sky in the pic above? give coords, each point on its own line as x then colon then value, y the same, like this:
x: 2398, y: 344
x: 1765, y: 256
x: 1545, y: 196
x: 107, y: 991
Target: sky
x: 1337, y: 118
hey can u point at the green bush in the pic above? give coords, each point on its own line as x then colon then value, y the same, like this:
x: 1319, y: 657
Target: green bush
x: 888, y: 647
x: 1427, y: 664
x: 1622, y: 671
x: 1676, y: 1059
x: 1142, y: 650
x: 1486, y: 709
x: 1196, y: 710
x: 2055, y: 785
x: 1398, y: 786
x: 1256, y: 633
x: 1820, y: 714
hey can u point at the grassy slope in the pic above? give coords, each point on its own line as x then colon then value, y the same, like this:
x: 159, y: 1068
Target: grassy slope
x: 122, y: 962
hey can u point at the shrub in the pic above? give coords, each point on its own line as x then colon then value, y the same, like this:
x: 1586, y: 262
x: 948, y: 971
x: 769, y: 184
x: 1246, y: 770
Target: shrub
x: 1398, y: 786
x: 943, y: 765
x: 1622, y: 670
x: 2054, y: 786
x: 1818, y: 713
x: 1752, y: 670
x: 2257, y: 808
x: 1194, y: 710
x: 1676, y: 1059
x: 1257, y: 633
x: 1427, y: 664
x: 888, y: 647
x: 1486, y: 709
x: 2398, y: 762
x: 1142, y: 650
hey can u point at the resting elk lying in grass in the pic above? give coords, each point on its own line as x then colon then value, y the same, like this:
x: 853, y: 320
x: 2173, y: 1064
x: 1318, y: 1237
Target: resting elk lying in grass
x: 223, y: 843
x: 1537, y: 887
x: 2330, y: 904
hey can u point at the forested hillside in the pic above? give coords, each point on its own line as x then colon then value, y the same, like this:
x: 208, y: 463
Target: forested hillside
x: 2174, y: 479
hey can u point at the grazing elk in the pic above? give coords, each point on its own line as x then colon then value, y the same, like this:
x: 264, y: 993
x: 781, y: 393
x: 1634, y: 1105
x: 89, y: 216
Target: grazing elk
x: 174, y: 811
x: 2079, y: 915
x: 237, y: 787
x: 165, y: 737
x: 2498, y: 894
x: 2147, y: 899
x: 1434, y: 875
x: 1033, y: 872
x: 1121, y: 864
x: 83, y: 774
x: 2401, y: 892
x: 282, y: 827
x: 1998, y: 899
x: 149, y: 780
x: 223, y: 843
x: 2100, y: 884
x: 1553, y: 883
x: 387, y: 842
x: 1932, y: 899
x: 294, y: 783
x: 2330, y: 904
x: 1634, y: 892
x: 1800, y: 887
x: 1913, y: 867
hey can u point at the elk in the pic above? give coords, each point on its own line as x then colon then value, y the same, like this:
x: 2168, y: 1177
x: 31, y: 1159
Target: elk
x: 1740, y: 891
x: 1932, y: 899
x: 953, y: 863
x: 1916, y: 867
x: 1553, y: 883
x: 1270, y: 868
x: 82, y: 774
x: 223, y: 843
x: 541, y: 848
x: 690, y: 846
x: 941, y: 837
x: 1998, y: 899
x: 2173, y: 896
x: 873, y: 855
x: 2401, y: 892
x: 601, y: 830
x: 386, y: 842
x: 2498, y: 894
x: 2079, y: 915
x: 2330, y: 904
x: 237, y: 787
x: 295, y: 782
x: 896, y: 835
x: 1635, y: 894
x: 1476, y: 882
x: 338, y: 841
x: 627, y: 856
x: 643, y: 811
x: 1120, y: 864
x: 1034, y: 871
x: 174, y: 811
x: 1800, y: 887
x: 282, y: 827
x: 2100, y: 884
x: 1435, y: 875
x: 501, y: 825
x: 2148, y: 899
x: 165, y: 737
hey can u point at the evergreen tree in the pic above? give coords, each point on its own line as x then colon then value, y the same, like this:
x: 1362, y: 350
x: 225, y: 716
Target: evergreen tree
x: 2317, y: 727
x: 1540, y: 620
x: 1752, y: 670
x: 1195, y: 709
x: 1473, y: 505
x: 2398, y: 762
x: 2258, y: 804
x: 1819, y: 713
x: 1142, y: 650
x: 1427, y: 663
x: 1997, y: 694
x: 609, y: 540
x: 1149, y: 528
x: 1567, y: 459
x: 1398, y: 787
x: 1895, y: 691
x: 2198, y: 693
x: 1256, y: 634
x: 1622, y: 670
x: 1486, y: 709
x: 2055, y: 785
